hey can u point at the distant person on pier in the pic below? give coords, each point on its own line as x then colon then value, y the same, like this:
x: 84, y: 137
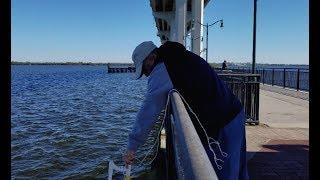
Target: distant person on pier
x: 171, y: 66
x: 224, y: 65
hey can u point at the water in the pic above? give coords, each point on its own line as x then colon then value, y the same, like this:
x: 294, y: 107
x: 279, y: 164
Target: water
x: 69, y: 121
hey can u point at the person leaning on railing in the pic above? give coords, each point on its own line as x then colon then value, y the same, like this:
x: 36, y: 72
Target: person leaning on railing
x: 219, y: 111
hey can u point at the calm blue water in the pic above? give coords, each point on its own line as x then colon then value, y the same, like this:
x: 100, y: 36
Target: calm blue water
x: 69, y: 121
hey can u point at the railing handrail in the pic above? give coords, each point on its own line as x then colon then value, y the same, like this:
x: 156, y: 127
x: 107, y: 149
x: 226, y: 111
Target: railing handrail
x: 267, y: 68
x: 240, y: 75
x: 287, y: 77
x: 190, y: 158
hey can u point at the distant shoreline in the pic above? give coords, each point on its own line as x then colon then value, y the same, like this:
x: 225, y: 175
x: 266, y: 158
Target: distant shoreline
x: 60, y: 63
x: 216, y: 65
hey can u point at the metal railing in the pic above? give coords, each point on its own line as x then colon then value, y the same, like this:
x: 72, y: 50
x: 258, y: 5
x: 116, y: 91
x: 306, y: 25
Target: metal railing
x: 246, y: 87
x: 185, y: 156
x: 286, y: 77
x: 296, y: 78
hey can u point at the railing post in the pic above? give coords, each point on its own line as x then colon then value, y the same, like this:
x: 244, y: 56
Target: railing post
x: 263, y: 76
x: 272, y: 76
x: 298, y: 79
x: 257, y: 91
x: 169, y: 163
x: 284, y: 77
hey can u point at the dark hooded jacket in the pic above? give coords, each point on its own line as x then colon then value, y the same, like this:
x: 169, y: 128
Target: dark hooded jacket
x: 208, y: 96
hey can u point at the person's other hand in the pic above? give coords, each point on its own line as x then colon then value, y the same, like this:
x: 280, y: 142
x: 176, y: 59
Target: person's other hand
x: 128, y: 157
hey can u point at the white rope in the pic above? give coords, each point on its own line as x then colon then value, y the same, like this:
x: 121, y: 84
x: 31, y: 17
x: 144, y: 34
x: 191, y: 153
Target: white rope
x: 224, y: 154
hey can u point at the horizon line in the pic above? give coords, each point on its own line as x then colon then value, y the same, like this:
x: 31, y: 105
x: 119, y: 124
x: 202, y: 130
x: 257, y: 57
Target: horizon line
x: 83, y: 62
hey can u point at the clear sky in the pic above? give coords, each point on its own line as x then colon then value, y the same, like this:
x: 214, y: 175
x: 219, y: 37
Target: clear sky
x: 108, y: 31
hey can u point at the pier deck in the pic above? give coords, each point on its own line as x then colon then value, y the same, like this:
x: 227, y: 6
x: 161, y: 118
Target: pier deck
x: 120, y: 67
x: 278, y: 148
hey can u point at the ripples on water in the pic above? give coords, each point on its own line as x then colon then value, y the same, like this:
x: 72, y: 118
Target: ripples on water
x: 69, y: 121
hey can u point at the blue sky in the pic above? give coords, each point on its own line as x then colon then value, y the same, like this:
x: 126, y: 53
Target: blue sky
x: 108, y: 31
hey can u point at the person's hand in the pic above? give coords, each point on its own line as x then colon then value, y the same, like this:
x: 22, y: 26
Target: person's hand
x: 128, y: 157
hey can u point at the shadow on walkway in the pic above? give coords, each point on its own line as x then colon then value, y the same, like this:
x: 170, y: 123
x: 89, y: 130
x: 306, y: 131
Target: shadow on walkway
x: 280, y: 159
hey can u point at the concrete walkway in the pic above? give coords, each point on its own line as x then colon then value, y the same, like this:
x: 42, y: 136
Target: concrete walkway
x: 279, y: 110
x: 278, y: 148
x: 286, y: 91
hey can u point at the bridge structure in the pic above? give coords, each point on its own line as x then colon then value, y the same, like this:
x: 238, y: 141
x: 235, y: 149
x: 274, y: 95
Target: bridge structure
x: 176, y: 19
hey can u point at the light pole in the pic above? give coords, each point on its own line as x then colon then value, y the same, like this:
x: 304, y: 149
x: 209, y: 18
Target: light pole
x: 207, y: 29
x: 254, y: 37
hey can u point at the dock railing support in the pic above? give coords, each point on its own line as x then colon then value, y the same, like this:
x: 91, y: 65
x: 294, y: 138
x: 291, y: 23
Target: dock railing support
x: 298, y: 79
x: 284, y: 77
x: 263, y: 76
x: 272, y: 77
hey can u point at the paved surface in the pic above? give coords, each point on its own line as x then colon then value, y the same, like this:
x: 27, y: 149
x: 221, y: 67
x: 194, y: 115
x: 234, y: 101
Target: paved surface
x: 281, y: 159
x: 278, y: 148
x: 278, y: 110
x: 286, y: 91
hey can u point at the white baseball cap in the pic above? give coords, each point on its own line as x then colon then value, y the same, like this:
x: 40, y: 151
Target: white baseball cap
x: 139, y: 54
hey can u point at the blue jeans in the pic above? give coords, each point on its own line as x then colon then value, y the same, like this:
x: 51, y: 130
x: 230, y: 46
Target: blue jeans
x: 232, y: 139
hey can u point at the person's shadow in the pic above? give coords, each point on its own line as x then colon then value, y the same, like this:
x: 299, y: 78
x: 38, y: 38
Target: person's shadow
x: 280, y: 161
